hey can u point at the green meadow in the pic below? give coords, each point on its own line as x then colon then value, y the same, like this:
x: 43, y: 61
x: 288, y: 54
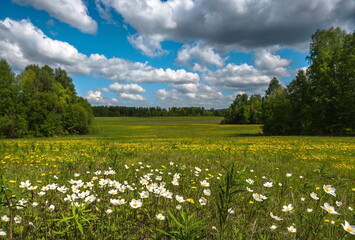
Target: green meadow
x: 177, y: 178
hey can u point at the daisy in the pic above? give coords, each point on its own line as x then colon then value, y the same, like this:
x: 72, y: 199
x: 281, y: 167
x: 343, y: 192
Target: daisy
x: 292, y: 229
x: 349, y: 228
x: 329, y: 209
x: 160, y: 217
x: 135, y: 203
x: 329, y: 189
x: 287, y: 208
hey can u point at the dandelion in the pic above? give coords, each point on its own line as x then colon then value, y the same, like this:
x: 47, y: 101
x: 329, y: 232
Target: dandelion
x: 190, y: 200
x: 329, y: 209
x: 135, y: 203
x: 329, y: 189
x: 287, y: 208
x: 292, y: 229
x: 349, y: 228
x: 160, y: 217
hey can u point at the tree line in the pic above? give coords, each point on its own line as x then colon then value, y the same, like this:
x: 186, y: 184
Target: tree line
x: 41, y: 102
x: 318, y: 101
x: 122, y: 111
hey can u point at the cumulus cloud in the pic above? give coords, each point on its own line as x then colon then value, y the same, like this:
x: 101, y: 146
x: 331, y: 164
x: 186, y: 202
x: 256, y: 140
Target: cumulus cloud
x: 238, y: 77
x: 21, y: 43
x: 203, y: 54
x: 196, y: 95
x: 72, y: 12
x: 242, y: 23
x: 264, y: 59
x: 130, y: 96
x: 97, y: 98
x: 127, y: 88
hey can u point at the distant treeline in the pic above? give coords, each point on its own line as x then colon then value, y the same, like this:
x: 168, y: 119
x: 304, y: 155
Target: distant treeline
x: 319, y: 101
x: 41, y: 102
x: 122, y: 111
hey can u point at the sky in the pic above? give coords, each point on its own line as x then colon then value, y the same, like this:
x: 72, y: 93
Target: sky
x: 167, y: 53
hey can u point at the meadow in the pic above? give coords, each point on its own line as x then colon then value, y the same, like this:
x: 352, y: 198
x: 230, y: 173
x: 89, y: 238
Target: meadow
x: 177, y: 178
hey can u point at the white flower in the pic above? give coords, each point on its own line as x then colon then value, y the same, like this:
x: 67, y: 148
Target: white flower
x: 303, y: 199
x: 5, y: 218
x: 114, y: 202
x: 268, y: 184
x: 287, y: 208
x: 204, y: 183
x: 329, y: 189
x: 349, y: 228
x: 109, y: 211
x: 249, y: 190
x: 288, y: 174
x: 309, y: 210
x: 350, y: 208
x: 113, y: 192
x: 178, y: 207
x: 250, y: 181
x: 275, y: 217
x: 41, y: 193
x: 76, y: 174
x: 231, y: 211
x: 292, y: 229
x: 135, y: 203
x: 160, y: 217
x: 179, y: 198
x: 17, y: 219
x: 314, y: 196
x: 144, y: 194
x: 207, y: 192
x: 2, y: 233
x: 25, y: 184
x: 273, y: 227
x: 257, y: 197
x: 329, y: 209
x: 51, y: 208
x: 338, y: 203
x: 31, y: 188
x: 203, y: 201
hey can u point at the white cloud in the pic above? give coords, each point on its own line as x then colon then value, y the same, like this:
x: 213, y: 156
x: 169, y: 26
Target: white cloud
x: 97, y: 98
x: 242, y: 23
x: 127, y: 88
x: 21, y: 43
x: 149, y: 46
x: 134, y: 97
x: 205, y: 55
x: 238, y: 77
x: 264, y: 59
x: 73, y: 12
x: 198, y: 95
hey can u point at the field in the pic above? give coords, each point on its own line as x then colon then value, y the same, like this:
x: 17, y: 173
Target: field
x: 177, y: 178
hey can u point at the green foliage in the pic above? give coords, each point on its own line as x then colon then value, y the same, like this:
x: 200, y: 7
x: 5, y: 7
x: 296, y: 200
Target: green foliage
x: 41, y: 102
x: 185, y: 226
x: 244, y: 110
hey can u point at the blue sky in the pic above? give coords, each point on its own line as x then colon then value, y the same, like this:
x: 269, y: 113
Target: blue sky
x: 167, y: 53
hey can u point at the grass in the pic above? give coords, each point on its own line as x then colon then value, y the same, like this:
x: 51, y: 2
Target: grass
x: 183, y: 151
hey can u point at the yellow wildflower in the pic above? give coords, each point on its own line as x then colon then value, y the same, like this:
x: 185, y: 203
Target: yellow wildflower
x: 190, y: 200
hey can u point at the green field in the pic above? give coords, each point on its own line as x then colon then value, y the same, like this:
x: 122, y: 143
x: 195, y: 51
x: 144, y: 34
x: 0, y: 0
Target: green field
x: 182, y: 152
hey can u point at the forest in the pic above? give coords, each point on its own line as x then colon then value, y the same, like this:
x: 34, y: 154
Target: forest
x: 318, y: 101
x: 41, y: 102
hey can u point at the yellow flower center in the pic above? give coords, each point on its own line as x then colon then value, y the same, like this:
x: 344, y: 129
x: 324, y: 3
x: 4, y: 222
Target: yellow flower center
x: 349, y: 229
